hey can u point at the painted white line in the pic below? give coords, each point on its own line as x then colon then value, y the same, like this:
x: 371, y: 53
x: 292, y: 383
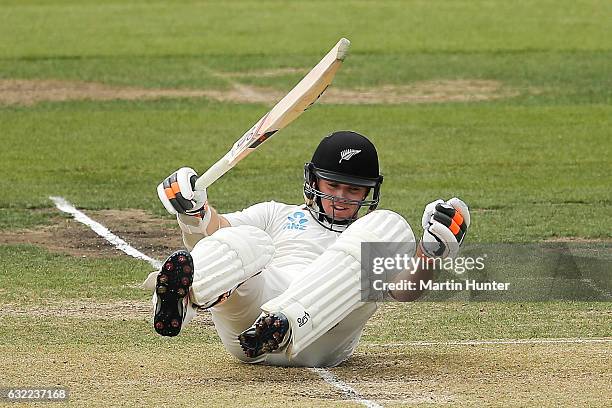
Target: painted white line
x: 102, y: 231
x: 63, y: 205
x: 348, y: 391
x: 584, y: 340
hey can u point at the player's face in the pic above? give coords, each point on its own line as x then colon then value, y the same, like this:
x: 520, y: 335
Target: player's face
x: 336, y: 208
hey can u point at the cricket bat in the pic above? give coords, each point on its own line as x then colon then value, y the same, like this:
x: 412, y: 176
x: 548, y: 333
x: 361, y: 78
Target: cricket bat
x: 304, y: 94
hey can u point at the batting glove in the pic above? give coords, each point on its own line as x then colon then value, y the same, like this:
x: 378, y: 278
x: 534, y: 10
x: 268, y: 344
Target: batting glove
x: 177, y: 194
x: 444, y: 227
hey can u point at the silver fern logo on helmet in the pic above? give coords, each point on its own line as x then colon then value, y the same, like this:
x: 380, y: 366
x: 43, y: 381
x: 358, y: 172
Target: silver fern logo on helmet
x: 347, y: 154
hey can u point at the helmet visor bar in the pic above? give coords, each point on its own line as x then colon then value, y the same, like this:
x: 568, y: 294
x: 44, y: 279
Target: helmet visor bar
x: 345, y: 179
x: 336, y: 199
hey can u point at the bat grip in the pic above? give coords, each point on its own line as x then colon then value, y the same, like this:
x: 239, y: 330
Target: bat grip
x: 212, y: 174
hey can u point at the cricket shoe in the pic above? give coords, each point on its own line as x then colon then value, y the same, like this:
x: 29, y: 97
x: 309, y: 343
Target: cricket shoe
x: 172, y: 289
x: 268, y: 334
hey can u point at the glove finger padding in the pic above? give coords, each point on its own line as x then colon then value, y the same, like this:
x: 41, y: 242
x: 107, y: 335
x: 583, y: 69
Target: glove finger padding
x: 174, y: 194
x: 161, y: 194
x: 463, y: 209
x: 445, y: 225
x: 452, y: 219
x: 183, y: 178
x: 177, y: 195
x: 428, y: 213
x: 439, y: 241
x: 196, y: 200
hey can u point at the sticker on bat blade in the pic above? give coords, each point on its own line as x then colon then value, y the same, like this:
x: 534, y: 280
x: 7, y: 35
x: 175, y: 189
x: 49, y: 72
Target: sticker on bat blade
x: 262, y: 138
x: 247, y: 138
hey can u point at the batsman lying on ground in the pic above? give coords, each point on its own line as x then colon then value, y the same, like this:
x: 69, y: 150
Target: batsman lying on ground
x: 282, y: 282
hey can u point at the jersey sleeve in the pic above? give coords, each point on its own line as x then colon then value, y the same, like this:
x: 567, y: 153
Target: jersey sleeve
x: 259, y: 215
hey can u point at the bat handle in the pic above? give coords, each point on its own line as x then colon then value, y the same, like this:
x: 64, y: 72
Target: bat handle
x: 217, y: 170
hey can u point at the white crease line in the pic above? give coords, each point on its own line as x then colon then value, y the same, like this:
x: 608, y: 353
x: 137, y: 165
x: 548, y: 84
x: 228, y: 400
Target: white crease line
x: 120, y: 244
x: 493, y: 342
x: 104, y: 232
x: 348, y: 391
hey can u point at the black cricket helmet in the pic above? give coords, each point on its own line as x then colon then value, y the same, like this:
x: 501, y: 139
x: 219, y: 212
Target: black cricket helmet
x: 344, y: 157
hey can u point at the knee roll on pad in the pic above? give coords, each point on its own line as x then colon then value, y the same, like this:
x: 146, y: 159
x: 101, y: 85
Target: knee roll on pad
x: 377, y: 226
x: 381, y: 226
x: 227, y: 258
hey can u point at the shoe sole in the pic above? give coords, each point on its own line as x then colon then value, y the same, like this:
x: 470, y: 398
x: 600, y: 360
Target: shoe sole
x: 173, y: 283
x: 265, y: 337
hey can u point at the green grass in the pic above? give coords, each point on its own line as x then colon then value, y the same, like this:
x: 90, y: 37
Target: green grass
x: 74, y: 28
x: 20, y: 218
x: 35, y: 275
x: 513, y: 165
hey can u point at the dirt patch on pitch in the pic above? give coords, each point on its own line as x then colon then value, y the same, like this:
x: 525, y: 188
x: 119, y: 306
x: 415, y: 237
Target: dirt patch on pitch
x: 424, y: 92
x: 30, y: 92
x: 153, y: 236
x: 559, y: 374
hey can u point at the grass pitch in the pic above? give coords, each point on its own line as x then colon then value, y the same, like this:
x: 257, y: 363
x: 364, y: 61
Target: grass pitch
x: 506, y: 105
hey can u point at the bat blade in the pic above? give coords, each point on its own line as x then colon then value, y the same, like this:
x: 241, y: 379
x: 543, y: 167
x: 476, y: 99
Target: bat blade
x: 300, y: 98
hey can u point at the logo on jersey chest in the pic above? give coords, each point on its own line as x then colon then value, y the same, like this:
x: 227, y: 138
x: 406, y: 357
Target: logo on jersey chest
x: 296, y: 221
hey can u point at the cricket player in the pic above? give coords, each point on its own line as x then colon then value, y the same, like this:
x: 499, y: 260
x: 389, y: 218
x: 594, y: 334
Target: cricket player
x: 281, y: 281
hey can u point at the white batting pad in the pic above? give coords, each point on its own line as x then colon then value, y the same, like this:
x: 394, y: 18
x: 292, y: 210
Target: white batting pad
x: 330, y: 287
x: 227, y: 258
